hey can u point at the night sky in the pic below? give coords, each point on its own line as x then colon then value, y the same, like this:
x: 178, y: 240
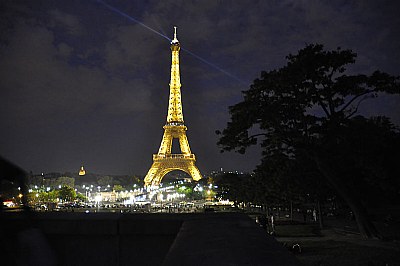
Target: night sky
x: 80, y: 83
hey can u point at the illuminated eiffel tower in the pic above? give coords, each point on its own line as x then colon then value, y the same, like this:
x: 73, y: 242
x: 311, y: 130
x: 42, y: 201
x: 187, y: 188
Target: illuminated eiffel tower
x: 164, y: 161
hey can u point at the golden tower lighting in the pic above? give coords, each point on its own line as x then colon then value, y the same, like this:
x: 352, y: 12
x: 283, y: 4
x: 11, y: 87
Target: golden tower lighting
x: 164, y: 161
x: 82, y: 171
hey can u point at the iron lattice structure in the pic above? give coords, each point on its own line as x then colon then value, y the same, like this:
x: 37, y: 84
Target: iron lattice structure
x: 164, y: 161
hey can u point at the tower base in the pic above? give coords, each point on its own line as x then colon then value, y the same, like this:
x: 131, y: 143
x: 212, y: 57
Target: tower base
x: 163, y: 164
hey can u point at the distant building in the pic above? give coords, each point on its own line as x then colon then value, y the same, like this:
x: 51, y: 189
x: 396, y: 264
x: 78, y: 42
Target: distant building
x: 82, y: 171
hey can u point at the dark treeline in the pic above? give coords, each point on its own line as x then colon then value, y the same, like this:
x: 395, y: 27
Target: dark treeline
x: 73, y: 179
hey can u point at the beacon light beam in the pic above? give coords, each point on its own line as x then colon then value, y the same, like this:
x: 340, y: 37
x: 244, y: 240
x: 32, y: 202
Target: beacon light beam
x: 214, y: 66
x: 132, y: 19
x: 116, y: 10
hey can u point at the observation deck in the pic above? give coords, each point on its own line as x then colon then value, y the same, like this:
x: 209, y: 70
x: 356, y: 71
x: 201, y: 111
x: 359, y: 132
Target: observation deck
x: 173, y: 156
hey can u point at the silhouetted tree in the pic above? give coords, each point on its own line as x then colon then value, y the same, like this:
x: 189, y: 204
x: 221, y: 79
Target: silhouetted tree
x: 303, y: 110
x: 235, y: 187
x: 367, y: 151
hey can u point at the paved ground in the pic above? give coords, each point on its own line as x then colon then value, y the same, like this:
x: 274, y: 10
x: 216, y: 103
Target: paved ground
x: 226, y: 239
x: 137, y: 239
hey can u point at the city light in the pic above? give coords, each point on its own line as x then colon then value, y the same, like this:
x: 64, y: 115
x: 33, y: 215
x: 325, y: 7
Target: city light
x: 98, y: 198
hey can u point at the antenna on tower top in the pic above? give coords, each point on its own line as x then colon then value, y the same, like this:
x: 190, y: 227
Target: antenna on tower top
x: 175, y: 40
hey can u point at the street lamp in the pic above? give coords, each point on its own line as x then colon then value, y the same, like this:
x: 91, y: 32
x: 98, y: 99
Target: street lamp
x: 98, y: 199
x: 87, y: 194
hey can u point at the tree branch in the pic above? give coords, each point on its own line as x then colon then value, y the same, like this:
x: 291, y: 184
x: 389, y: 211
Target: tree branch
x: 324, y: 107
x: 354, y: 98
x: 331, y: 74
x: 321, y: 103
x: 356, y: 109
x: 256, y: 135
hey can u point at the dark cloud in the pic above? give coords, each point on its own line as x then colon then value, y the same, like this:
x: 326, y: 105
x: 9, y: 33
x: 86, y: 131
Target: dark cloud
x: 81, y: 83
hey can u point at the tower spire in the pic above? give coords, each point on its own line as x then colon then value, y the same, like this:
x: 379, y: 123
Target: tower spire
x: 175, y: 40
x: 175, y: 114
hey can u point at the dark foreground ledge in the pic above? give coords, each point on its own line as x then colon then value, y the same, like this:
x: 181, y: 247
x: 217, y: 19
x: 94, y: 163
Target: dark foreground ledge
x: 137, y: 239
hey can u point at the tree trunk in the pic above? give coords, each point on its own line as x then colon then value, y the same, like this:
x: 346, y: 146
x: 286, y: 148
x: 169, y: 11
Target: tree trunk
x: 266, y: 209
x: 321, y: 224
x: 367, y: 229
x: 291, y: 210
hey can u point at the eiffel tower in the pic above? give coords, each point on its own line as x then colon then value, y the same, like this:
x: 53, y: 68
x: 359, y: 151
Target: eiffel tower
x: 164, y: 161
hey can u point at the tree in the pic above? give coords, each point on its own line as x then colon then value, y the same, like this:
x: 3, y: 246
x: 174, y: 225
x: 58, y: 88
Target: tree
x: 80, y: 197
x: 368, y: 149
x: 48, y: 196
x: 118, y: 188
x: 275, y: 182
x: 234, y: 187
x: 105, y: 180
x: 304, y: 110
x: 67, y: 193
x: 137, y: 180
x: 281, y: 179
x: 185, y: 189
x: 64, y: 181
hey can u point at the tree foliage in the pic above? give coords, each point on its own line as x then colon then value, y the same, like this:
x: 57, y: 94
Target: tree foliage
x: 118, y: 188
x: 234, y: 187
x: 67, y: 193
x: 105, y: 181
x: 309, y: 97
x: 308, y: 111
x: 64, y: 181
x: 81, y: 197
